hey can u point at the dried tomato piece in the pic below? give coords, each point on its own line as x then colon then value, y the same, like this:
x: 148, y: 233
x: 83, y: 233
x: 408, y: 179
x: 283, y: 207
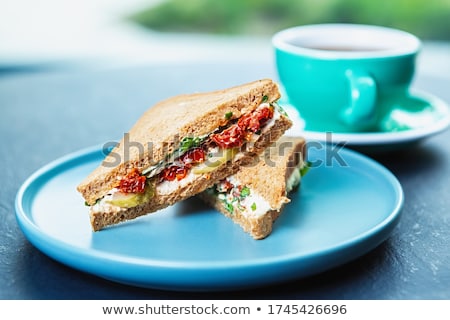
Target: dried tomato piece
x: 263, y: 115
x: 256, y: 119
x: 244, y: 121
x: 174, y: 172
x: 133, y: 182
x: 224, y: 186
x: 194, y: 156
x: 231, y: 137
x: 254, y: 125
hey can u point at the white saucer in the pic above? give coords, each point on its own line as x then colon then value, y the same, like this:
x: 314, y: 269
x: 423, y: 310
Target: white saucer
x: 437, y: 121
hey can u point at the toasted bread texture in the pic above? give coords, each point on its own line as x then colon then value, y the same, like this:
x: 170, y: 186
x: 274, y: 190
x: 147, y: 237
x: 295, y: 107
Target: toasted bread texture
x: 268, y: 179
x: 161, y: 128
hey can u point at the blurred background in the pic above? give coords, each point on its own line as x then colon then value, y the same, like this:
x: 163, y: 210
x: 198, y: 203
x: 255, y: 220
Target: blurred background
x: 428, y: 19
x: 114, y: 33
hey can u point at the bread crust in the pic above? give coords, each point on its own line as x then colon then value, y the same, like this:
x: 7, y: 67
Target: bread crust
x: 161, y: 128
x: 100, y: 220
x: 268, y: 177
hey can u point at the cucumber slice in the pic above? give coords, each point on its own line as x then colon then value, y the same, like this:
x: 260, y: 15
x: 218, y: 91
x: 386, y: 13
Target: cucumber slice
x: 131, y: 200
x: 218, y: 159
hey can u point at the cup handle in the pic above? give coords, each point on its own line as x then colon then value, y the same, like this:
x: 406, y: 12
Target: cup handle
x: 363, y: 94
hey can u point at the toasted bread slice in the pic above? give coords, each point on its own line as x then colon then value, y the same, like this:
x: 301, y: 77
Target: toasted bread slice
x: 255, y: 196
x: 161, y: 134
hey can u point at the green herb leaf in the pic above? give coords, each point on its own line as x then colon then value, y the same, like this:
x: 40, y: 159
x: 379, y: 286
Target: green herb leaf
x: 304, y: 170
x: 264, y: 99
x: 228, y: 115
x: 280, y: 109
x: 186, y: 144
x: 245, y: 192
x: 189, y: 142
x: 96, y: 201
x: 229, y: 207
x: 253, y: 206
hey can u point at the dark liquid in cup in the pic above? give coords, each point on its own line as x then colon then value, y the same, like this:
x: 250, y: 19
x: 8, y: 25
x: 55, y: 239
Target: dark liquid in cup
x: 343, y: 48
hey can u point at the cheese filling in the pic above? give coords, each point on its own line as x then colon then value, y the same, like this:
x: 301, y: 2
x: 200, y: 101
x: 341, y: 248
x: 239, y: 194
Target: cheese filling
x: 236, y: 197
x: 104, y: 205
x: 294, y: 179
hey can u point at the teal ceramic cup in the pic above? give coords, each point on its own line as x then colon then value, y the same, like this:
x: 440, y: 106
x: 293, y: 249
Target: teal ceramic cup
x: 345, y: 77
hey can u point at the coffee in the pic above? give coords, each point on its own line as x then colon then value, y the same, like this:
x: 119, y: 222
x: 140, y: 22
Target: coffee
x: 344, y: 48
x: 333, y: 45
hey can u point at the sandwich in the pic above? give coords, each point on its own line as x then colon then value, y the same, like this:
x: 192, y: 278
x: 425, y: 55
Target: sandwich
x: 255, y: 196
x: 182, y: 146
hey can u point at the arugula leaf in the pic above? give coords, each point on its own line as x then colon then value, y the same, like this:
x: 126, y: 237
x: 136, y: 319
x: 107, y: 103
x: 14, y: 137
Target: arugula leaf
x: 304, y: 170
x: 229, y: 207
x: 245, y: 192
x: 189, y: 142
x: 280, y: 109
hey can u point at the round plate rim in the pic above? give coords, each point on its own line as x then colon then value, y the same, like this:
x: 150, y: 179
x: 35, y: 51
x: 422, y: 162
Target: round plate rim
x: 50, y: 245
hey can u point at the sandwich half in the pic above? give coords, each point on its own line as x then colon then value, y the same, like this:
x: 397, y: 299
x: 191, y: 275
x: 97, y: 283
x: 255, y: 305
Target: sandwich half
x: 255, y: 196
x: 182, y: 146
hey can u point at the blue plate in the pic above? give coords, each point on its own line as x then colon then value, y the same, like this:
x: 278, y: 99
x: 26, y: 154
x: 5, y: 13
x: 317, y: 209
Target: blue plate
x: 346, y: 206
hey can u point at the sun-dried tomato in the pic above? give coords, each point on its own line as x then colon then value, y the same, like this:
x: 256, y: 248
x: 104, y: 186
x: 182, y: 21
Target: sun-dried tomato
x: 263, y: 115
x: 180, y: 170
x: 244, y: 121
x: 256, y: 119
x: 174, y: 172
x: 231, y: 137
x: 236, y: 134
x: 194, y: 156
x: 224, y: 186
x: 133, y: 182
